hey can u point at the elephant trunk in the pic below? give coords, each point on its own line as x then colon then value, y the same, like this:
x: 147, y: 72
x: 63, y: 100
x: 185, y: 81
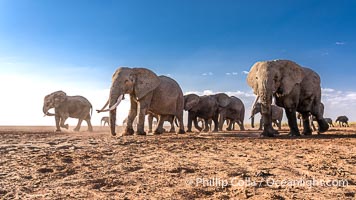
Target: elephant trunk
x: 253, y: 121
x: 114, y: 100
x: 45, y: 111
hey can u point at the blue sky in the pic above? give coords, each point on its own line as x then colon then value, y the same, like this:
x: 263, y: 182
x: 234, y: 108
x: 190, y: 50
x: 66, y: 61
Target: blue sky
x: 205, y: 45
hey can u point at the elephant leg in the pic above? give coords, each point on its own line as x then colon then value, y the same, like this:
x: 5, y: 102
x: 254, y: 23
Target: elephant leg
x: 241, y: 124
x: 205, y: 125
x: 150, y: 121
x: 221, y: 120
x: 57, y: 118
x: 261, y: 124
x: 63, y: 120
x: 216, y: 123
x: 171, y: 121
x: 90, y: 127
x: 292, y: 122
x: 131, y: 117
x: 279, y: 124
x: 159, y: 129
x: 196, y: 125
x: 190, y: 120
x: 181, y: 125
x: 306, y: 124
x: 323, y: 125
x: 141, y: 118
x: 229, y: 124
x: 77, y: 128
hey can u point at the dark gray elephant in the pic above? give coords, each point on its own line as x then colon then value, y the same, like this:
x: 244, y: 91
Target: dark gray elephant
x: 234, y: 112
x: 210, y: 121
x: 68, y: 106
x: 295, y: 88
x: 148, y: 93
x: 343, y: 121
x: 106, y: 120
x: 329, y: 121
x: 205, y: 107
x: 277, y: 115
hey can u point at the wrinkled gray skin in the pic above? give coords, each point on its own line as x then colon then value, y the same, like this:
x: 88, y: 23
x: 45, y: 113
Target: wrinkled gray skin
x: 329, y: 121
x: 343, y: 121
x: 106, y: 120
x: 277, y: 115
x: 148, y: 93
x: 205, y: 107
x: 234, y: 112
x: 295, y: 88
x: 68, y: 106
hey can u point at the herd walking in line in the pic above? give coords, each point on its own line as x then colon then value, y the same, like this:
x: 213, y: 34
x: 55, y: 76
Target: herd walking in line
x: 294, y: 88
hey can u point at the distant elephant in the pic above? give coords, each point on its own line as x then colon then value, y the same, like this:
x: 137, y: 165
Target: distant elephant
x: 343, y: 121
x: 68, y: 106
x: 234, y: 111
x: 169, y: 118
x: 295, y: 88
x: 106, y: 120
x: 277, y: 115
x: 329, y: 121
x: 148, y: 93
x: 206, y: 107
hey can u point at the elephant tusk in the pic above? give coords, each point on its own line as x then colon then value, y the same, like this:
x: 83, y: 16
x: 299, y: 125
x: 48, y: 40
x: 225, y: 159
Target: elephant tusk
x: 113, y: 106
x: 102, y: 110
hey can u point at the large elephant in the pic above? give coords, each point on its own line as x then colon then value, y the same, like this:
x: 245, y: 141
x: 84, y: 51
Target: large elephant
x: 277, y: 115
x: 205, y: 107
x: 232, y: 110
x: 148, y: 93
x: 68, y: 106
x: 343, y: 121
x: 295, y: 88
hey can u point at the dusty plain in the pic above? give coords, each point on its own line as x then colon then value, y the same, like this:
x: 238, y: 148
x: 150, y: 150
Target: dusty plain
x: 37, y: 163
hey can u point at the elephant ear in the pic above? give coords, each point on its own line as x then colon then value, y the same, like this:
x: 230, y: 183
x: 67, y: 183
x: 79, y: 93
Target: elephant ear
x: 145, y: 81
x: 251, y: 77
x: 59, y: 97
x: 292, y: 74
x: 190, y: 101
x: 223, y: 99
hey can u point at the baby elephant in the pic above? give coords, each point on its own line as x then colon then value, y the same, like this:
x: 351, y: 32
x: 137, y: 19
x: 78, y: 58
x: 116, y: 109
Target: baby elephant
x: 343, y: 121
x: 68, y: 106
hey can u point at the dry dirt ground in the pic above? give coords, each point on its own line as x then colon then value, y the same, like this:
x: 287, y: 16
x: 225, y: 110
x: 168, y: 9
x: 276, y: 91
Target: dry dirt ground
x: 37, y: 163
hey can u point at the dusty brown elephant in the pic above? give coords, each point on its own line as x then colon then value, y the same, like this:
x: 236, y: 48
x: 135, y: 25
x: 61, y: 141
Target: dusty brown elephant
x: 68, y: 106
x: 148, y: 93
x: 295, y: 88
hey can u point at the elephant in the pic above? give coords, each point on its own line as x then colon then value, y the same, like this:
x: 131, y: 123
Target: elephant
x: 329, y: 121
x: 343, y: 121
x: 312, y: 118
x: 68, y: 106
x: 169, y: 118
x: 106, y: 120
x: 234, y: 111
x: 277, y: 115
x: 206, y: 107
x: 148, y: 93
x: 294, y: 88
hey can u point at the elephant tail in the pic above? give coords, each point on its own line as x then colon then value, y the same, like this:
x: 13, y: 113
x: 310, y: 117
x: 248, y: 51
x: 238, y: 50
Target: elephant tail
x: 176, y: 121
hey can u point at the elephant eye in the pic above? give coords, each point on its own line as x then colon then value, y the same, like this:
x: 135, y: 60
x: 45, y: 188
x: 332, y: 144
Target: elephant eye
x: 256, y: 78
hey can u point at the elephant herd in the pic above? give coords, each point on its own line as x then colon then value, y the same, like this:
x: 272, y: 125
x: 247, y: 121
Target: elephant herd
x: 294, y: 88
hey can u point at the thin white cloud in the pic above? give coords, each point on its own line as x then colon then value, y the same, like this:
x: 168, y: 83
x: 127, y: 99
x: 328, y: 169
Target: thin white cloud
x: 228, y: 73
x: 207, y: 74
x: 245, y: 72
x: 234, y: 73
x: 340, y: 43
x: 339, y: 103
